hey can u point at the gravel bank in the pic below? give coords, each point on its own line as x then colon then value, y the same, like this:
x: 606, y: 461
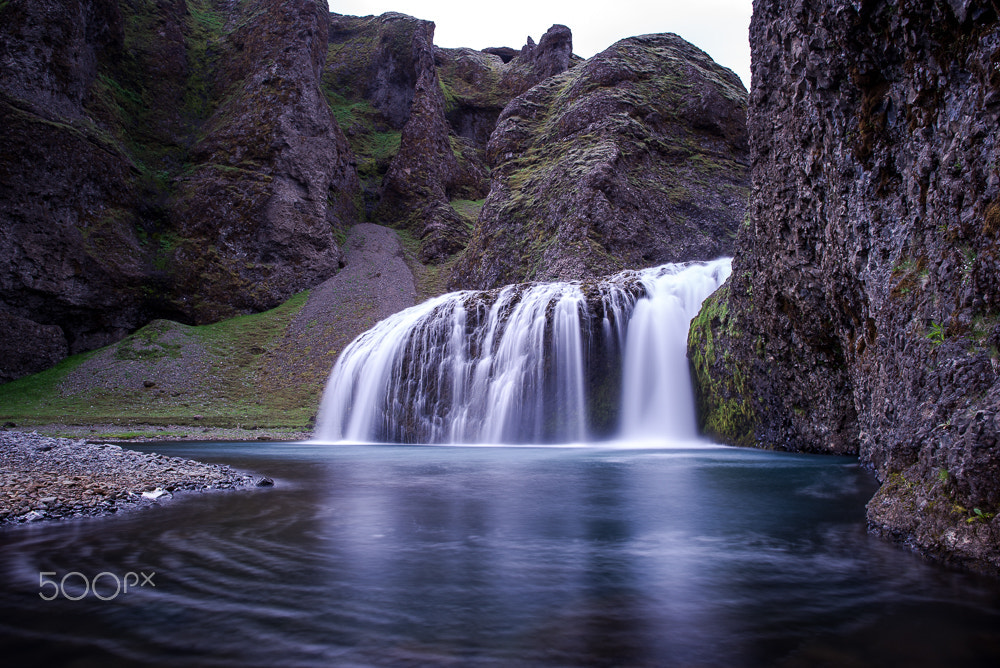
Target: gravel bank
x: 43, y: 478
x: 144, y: 433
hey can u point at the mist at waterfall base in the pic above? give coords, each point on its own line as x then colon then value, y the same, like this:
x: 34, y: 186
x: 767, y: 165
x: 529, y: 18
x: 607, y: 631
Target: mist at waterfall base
x: 528, y: 364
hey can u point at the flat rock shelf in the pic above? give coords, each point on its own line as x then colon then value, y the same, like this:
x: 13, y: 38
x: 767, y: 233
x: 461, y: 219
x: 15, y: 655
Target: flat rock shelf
x: 44, y: 478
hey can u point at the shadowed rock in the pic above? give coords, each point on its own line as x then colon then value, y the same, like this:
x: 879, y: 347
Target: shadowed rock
x: 862, y: 314
x: 161, y: 160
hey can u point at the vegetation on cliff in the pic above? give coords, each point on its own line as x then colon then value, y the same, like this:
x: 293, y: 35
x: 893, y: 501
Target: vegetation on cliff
x: 193, y: 160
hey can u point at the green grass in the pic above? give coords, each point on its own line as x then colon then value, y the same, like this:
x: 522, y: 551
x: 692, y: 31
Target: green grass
x: 229, y: 379
x: 28, y: 398
x: 468, y: 209
x: 204, y: 16
x: 935, y: 333
x: 373, y: 143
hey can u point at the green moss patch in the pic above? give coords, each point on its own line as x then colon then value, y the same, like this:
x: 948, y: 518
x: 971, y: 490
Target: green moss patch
x: 725, y: 409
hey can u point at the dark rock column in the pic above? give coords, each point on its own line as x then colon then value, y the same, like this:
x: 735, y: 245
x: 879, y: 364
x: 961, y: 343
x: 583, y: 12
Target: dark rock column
x: 862, y: 315
x: 274, y: 180
x: 415, y: 192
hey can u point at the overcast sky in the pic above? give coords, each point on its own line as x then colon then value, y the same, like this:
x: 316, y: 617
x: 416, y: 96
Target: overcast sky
x: 718, y: 27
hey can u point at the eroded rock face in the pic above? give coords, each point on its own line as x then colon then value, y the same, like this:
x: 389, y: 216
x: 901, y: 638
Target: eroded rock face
x: 427, y: 173
x: 479, y: 84
x: 419, y: 118
x: 474, y: 93
x: 384, y: 85
x: 27, y: 346
x: 863, y: 314
x: 634, y: 158
x: 69, y: 255
x: 163, y: 159
x: 274, y: 179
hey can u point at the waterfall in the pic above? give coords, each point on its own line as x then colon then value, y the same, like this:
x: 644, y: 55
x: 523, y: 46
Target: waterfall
x: 528, y: 363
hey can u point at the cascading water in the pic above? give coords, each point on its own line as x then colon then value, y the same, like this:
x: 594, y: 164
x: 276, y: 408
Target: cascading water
x: 531, y: 363
x: 656, y: 399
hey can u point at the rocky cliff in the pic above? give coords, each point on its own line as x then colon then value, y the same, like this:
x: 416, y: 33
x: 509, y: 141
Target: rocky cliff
x: 863, y: 314
x: 161, y: 159
x: 418, y: 117
x: 68, y: 267
x: 191, y: 160
x: 634, y: 158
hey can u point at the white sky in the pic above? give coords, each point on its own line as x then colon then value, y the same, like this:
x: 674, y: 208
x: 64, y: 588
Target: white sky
x: 718, y: 27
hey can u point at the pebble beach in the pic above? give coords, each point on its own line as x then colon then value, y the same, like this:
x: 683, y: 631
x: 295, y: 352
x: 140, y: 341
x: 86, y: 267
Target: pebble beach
x: 46, y: 478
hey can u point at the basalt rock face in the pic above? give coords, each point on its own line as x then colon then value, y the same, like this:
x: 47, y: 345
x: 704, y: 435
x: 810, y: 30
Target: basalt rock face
x: 431, y: 167
x: 383, y: 81
x: 863, y: 313
x: 479, y: 84
x: 273, y: 181
x: 69, y: 257
x: 419, y: 117
x: 633, y: 158
x: 536, y: 62
x: 162, y: 159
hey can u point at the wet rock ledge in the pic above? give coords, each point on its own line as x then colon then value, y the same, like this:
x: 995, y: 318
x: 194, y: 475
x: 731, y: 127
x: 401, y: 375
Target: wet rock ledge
x: 44, y: 478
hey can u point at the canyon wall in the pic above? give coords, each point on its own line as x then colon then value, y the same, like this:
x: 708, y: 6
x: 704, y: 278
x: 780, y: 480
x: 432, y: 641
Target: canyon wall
x: 193, y: 160
x: 863, y: 313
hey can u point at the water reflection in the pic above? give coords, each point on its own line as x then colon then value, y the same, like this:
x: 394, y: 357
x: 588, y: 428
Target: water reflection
x: 379, y: 555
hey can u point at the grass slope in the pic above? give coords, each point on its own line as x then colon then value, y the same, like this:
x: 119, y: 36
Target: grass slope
x: 222, y: 374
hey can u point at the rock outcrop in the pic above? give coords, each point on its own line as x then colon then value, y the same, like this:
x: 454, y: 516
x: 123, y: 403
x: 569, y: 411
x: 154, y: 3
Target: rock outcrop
x: 636, y: 157
x: 69, y: 258
x: 272, y: 181
x: 479, y: 84
x: 162, y: 159
x: 386, y: 85
x: 863, y: 314
x: 419, y: 118
x: 432, y: 167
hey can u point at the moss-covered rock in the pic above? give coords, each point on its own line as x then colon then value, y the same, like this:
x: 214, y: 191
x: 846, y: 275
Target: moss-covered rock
x: 478, y: 85
x: 382, y: 82
x: 271, y: 180
x: 636, y: 157
x: 725, y: 405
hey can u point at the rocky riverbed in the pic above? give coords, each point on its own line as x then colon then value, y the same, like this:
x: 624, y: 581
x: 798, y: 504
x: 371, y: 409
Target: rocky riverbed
x: 44, y: 478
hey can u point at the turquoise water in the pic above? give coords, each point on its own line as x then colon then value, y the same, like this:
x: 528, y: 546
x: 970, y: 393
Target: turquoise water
x: 371, y: 555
